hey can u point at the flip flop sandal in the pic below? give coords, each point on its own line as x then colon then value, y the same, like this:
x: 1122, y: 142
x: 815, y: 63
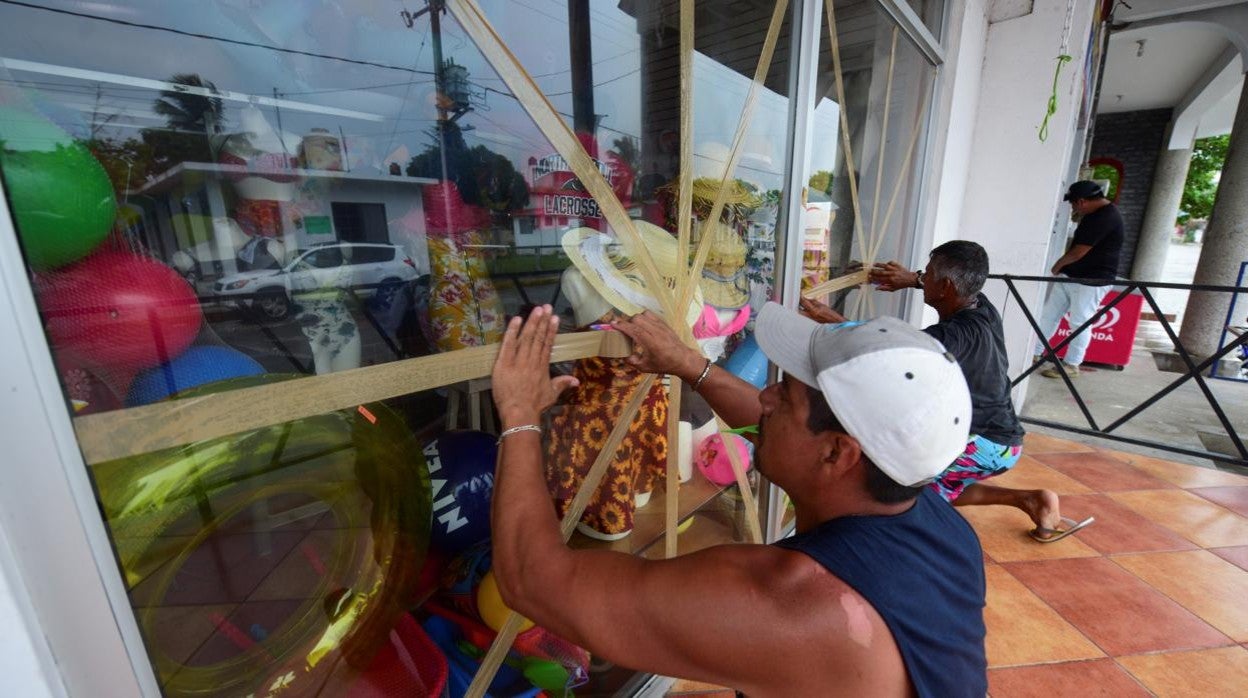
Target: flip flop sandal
x: 1052, y: 535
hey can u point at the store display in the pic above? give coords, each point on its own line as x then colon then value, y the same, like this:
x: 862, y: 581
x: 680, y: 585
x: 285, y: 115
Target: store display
x: 264, y: 178
x: 748, y: 363
x: 464, y: 307
x: 538, y: 657
x: 461, y: 464
x: 491, y: 607
x: 715, y: 326
x: 270, y: 546
x: 326, y: 520
x: 118, y: 313
x: 321, y: 151
x: 408, y: 664
x: 579, y: 431
x: 87, y: 393
x: 462, y: 666
x: 604, y: 280
x: 713, y: 461
x: 196, y: 366
x: 685, y: 445
x: 323, y: 303
x: 608, y: 268
x: 724, y: 284
x: 60, y: 196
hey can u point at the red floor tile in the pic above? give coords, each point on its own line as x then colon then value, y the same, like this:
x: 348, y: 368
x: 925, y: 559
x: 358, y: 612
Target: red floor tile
x: 1116, y: 610
x: 1099, y: 677
x: 1119, y: 529
x: 1237, y: 555
x: 1216, y: 672
x: 1102, y: 472
x: 1035, y: 442
x: 1233, y: 498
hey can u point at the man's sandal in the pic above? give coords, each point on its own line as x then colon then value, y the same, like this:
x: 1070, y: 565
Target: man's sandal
x: 1052, y: 535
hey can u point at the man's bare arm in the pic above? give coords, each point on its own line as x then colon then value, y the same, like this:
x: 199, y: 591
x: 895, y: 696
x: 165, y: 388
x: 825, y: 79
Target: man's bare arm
x: 658, y: 350
x: 753, y: 617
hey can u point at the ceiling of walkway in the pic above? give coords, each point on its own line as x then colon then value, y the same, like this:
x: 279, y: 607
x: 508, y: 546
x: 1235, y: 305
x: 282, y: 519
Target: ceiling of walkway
x: 1171, y: 65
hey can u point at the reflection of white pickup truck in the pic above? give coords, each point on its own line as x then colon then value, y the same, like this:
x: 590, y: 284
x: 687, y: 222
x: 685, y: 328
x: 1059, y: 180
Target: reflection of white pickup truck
x: 333, y: 265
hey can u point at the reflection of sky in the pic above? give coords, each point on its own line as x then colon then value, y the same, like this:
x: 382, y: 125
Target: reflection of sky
x: 825, y: 136
x: 368, y: 31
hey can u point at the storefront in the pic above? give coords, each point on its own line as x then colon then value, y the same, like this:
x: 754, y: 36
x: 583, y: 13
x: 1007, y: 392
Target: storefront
x: 254, y: 255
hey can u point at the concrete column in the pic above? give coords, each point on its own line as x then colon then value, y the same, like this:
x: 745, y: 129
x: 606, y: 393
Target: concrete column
x: 1225, y: 244
x: 1163, y: 207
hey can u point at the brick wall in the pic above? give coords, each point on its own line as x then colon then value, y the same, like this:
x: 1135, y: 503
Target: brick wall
x: 1134, y: 138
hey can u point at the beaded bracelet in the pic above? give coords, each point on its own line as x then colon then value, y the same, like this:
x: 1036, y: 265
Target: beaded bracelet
x: 705, y: 372
x: 516, y: 430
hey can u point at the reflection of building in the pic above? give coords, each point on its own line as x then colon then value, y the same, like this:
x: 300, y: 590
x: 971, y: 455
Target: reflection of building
x: 557, y: 201
x: 178, y: 207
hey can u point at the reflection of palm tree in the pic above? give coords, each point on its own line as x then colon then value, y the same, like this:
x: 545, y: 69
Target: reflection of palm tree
x: 625, y: 149
x: 188, y: 111
x: 192, y: 121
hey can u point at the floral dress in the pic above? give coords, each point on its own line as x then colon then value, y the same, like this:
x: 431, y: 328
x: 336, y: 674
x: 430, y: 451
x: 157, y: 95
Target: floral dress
x: 324, y: 314
x: 464, y: 307
x: 580, y: 430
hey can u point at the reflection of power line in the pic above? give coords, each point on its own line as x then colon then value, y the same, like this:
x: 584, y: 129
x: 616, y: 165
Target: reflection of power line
x: 510, y: 131
x: 561, y: 72
x: 147, y: 90
x: 210, y: 37
x: 358, y: 88
x: 407, y: 92
x: 598, y: 84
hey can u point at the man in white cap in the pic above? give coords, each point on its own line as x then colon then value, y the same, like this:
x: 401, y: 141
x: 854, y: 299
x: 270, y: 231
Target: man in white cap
x: 880, y: 592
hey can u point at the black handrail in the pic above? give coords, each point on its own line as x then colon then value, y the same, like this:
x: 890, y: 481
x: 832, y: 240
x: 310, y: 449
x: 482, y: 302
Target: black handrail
x: 1194, y: 370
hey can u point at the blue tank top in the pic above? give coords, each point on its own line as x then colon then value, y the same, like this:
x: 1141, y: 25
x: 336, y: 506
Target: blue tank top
x: 923, y: 572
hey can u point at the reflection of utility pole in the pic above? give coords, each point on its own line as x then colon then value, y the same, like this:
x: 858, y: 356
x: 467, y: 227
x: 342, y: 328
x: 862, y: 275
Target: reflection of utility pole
x: 454, y: 92
x: 436, y: 8
x: 582, y: 61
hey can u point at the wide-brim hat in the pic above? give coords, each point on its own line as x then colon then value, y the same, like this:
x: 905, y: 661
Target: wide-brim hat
x: 608, y: 268
x: 724, y: 283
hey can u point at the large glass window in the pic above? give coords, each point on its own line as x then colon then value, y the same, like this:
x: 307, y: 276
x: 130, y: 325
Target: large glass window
x: 873, y: 91
x: 267, y: 241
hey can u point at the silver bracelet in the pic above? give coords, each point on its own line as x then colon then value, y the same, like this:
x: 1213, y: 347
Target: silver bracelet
x: 705, y: 372
x: 516, y: 430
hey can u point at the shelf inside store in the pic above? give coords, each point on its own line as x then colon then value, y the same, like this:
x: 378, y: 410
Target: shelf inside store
x: 718, y: 513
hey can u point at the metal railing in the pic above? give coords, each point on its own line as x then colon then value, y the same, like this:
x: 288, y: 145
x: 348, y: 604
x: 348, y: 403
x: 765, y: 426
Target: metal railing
x: 1194, y: 368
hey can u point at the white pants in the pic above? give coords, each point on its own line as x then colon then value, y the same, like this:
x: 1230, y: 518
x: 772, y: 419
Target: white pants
x: 1082, y: 303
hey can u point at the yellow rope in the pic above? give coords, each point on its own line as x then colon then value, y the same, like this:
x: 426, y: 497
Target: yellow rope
x: 684, y: 223
x: 905, y: 165
x: 869, y: 260
x: 472, y: 19
x: 846, y: 144
x: 747, y: 115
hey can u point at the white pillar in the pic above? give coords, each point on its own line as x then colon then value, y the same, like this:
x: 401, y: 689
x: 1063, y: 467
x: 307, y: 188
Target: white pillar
x: 1225, y: 245
x: 1163, y: 208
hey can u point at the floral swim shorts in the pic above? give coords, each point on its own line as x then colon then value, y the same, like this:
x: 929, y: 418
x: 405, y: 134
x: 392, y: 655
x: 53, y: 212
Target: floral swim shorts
x: 981, y: 460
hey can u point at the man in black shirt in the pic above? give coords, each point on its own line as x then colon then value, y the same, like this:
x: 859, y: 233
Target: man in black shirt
x: 1092, y: 255
x: 971, y: 329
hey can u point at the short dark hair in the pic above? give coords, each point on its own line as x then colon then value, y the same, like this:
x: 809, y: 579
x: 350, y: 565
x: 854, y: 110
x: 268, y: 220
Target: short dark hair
x: 880, y: 486
x: 963, y: 262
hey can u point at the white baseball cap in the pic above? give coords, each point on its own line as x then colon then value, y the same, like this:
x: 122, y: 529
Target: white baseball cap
x: 893, y: 387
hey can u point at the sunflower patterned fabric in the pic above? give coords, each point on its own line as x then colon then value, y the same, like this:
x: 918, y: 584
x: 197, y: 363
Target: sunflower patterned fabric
x: 579, y: 431
x: 464, y: 307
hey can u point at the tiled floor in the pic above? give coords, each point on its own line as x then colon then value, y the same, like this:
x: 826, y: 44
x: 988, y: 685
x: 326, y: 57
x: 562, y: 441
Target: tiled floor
x: 1152, y: 599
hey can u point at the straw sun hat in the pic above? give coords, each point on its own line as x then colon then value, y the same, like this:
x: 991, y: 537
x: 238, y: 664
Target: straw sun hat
x: 603, y: 262
x: 724, y: 283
